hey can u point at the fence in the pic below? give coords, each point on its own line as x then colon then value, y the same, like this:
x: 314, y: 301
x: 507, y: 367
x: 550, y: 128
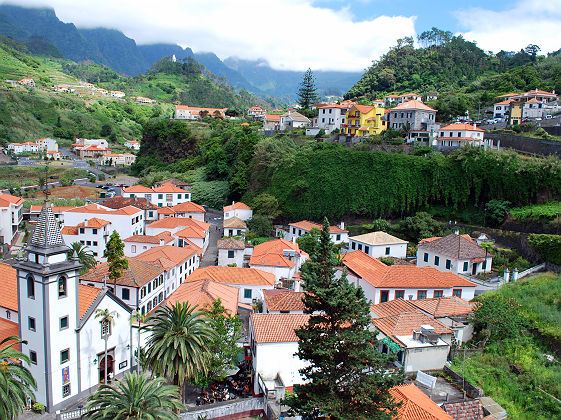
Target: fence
x: 471, y: 390
x: 248, y: 407
x: 71, y: 414
x: 531, y: 270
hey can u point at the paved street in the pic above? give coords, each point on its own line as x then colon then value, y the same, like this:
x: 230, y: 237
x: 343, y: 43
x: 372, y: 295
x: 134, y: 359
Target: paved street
x: 214, y: 217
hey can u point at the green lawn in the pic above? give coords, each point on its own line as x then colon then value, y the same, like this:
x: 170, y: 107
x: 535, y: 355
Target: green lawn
x: 547, y: 211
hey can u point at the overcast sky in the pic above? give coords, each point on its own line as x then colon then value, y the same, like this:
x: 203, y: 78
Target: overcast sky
x: 321, y: 34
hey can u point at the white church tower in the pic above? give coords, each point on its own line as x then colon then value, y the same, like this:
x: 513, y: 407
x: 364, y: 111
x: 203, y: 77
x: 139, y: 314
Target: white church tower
x: 49, y: 312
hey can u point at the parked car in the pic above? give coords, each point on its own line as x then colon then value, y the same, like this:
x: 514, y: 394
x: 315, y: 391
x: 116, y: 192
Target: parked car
x: 548, y: 117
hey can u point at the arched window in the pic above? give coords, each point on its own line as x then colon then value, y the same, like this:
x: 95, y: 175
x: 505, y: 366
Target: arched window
x: 62, y: 286
x: 30, y: 287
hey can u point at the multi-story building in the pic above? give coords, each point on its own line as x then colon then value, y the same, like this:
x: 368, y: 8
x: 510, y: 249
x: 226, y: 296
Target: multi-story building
x: 338, y: 234
x: 11, y: 214
x: 418, y: 118
x: 187, y: 209
x: 364, y: 120
x: 93, y: 233
x: 188, y: 232
x: 132, y: 144
x: 163, y: 196
x: 184, y: 112
x: 137, y: 244
x: 119, y: 202
x: 238, y: 209
x: 279, y: 257
x: 114, y: 159
x: 127, y: 221
x: 460, y: 135
x: 256, y: 112
x: 332, y: 117
x: 27, y: 147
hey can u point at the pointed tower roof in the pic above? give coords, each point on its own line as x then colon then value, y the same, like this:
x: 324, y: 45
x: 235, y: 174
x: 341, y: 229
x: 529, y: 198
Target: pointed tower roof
x: 47, y: 232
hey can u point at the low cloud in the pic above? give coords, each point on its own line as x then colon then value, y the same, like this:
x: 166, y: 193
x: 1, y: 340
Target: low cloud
x: 289, y: 34
x: 523, y: 23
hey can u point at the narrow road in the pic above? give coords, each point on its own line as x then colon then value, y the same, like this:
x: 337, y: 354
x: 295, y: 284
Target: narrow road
x: 214, y: 217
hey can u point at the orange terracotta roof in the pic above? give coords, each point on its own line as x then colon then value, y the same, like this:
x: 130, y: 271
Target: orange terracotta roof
x: 151, y: 239
x: 165, y: 210
x: 508, y: 94
x: 138, y: 189
x: 204, y: 292
x: 283, y: 300
x: 460, y: 138
x: 196, y: 108
x: 444, y: 306
x: 168, y: 187
x: 99, y: 209
x: 69, y: 230
x: 271, y: 253
x: 415, y: 405
x: 458, y: 126
x: 167, y: 256
x: 507, y: 102
x: 405, y: 323
x: 8, y: 198
x: 175, y: 222
x: 277, y: 328
x: 86, y: 296
x: 189, y: 207
x: 137, y: 275
x: 413, y: 104
x: 272, y: 117
x: 400, y: 276
x: 94, y: 223
x: 307, y: 226
x: 269, y: 259
x: 363, y: 109
x: 393, y: 307
x: 237, y: 206
x: 9, y: 289
x: 233, y: 275
x: 8, y: 329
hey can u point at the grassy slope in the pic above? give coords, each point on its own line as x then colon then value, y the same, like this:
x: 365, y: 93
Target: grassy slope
x: 520, y: 394
x: 14, y: 176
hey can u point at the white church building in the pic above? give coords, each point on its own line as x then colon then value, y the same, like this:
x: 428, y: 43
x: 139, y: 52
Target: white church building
x: 56, y: 316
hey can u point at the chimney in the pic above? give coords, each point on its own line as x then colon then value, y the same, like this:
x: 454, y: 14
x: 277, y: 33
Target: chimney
x: 233, y: 202
x: 457, y: 232
x: 294, y: 239
x: 342, y: 225
x: 474, y: 126
x: 161, y: 242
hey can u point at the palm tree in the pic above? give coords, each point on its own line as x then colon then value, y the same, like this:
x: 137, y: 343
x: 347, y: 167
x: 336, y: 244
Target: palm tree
x: 85, y: 256
x: 136, y: 316
x: 135, y: 397
x: 107, y: 321
x: 178, y: 344
x: 16, y: 382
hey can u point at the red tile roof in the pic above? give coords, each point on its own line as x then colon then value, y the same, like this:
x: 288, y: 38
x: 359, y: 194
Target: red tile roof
x: 204, y: 292
x: 393, y: 307
x: 99, y: 209
x: 7, y: 199
x: 8, y: 329
x: 119, y: 202
x: 405, y: 323
x: 86, y: 296
x: 94, y: 223
x: 175, y: 222
x: 271, y: 253
x: 233, y: 275
x: 307, y: 226
x: 413, y: 104
x: 9, y: 289
x: 237, y: 206
x: 277, y: 328
x: 168, y: 187
x: 444, y: 306
x: 230, y: 243
x: 165, y: 210
x: 400, y: 276
x: 166, y: 256
x: 151, y: 239
x: 283, y: 300
x: 189, y: 207
x: 137, y: 275
x: 138, y: 189
x: 458, y: 126
x: 415, y: 405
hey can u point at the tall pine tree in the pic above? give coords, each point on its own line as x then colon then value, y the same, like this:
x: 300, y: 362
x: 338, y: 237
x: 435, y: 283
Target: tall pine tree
x: 346, y: 378
x: 307, y: 93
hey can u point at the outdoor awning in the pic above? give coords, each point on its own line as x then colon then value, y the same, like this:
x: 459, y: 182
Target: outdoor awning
x: 392, y: 345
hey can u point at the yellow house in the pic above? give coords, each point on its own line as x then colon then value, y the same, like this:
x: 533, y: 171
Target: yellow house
x: 516, y: 109
x: 364, y: 120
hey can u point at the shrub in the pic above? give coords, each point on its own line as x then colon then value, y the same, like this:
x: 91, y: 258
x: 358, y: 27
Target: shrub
x: 548, y: 246
x: 386, y: 260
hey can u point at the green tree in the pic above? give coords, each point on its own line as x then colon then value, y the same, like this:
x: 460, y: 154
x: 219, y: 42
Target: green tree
x: 106, y: 321
x: 381, y: 225
x: 496, y: 212
x: 421, y: 226
x: 532, y: 50
x: 223, y: 349
x: 309, y: 242
x: 16, y: 382
x: 114, y: 252
x: 85, y: 256
x: 178, y: 343
x: 497, y: 317
x: 345, y: 378
x: 260, y: 225
x: 307, y: 93
x: 267, y: 205
x: 135, y: 397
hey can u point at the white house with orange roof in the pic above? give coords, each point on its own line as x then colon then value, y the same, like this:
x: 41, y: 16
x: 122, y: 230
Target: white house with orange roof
x: 58, y: 212
x: 127, y: 221
x: 165, y: 195
x: 11, y: 215
x: 239, y: 210
x: 117, y: 94
x: 26, y: 147
x: 416, y: 405
x: 145, y: 100
x: 332, y: 117
x: 279, y: 257
x: 53, y: 155
x: 204, y: 293
x: 501, y: 108
x: 56, y: 317
x: 93, y: 152
x: 249, y: 281
x: 93, y: 233
x: 187, y: 209
x: 382, y: 283
x: 137, y: 244
x: 418, y: 341
x: 274, y: 347
x: 282, y: 301
x: 187, y: 232
x: 82, y: 143
x: 27, y: 82
x: 459, y: 135
x: 184, y: 112
x: 338, y: 234
x: 271, y: 122
x: 256, y: 112
x: 132, y: 144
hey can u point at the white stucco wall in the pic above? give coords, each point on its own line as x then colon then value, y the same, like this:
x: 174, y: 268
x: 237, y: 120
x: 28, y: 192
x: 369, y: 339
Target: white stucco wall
x: 376, y: 251
x: 223, y: 259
